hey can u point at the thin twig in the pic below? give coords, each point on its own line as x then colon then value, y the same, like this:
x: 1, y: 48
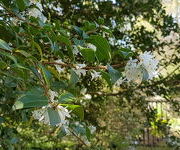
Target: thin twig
x: 87, y: 67
x: 77, y: 137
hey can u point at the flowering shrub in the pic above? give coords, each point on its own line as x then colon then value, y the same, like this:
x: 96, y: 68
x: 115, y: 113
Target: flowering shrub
x: 44, y: 63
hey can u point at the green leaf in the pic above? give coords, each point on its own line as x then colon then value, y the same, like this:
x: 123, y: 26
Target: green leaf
x: 67, y: 42
x: 32, y: 98
x: 88, y: 26
x: 106, y: 77
x: 9, y: 56
x: 2, y: 120
x: 74, y: 78
x: 81, y: 32
x: 36, y: 45
x: 64, y: 40
x: 78, y: 42
x: 54, y: 117
x: 103, y: 51
x: 88, y: 133
x: 46, y: 74
x: 21, y: 4
x: 76, y: 109
x: 88, y: 54
x: 100, y: 20
x: 114, y: 74
x: 4, y: 45
x: 24, y: 53
x: 3, y: 65
x: 66, y: 98
x: 126, y: 53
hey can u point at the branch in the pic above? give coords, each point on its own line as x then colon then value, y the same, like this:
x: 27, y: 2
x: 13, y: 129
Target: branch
x: 77, y: 137
x: 87, y: 67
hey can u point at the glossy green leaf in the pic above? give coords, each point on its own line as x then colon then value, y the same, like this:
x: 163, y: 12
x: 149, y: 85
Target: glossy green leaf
x: 74, y: 78
x: 3, y: 65
x: 54, y: 117
x: 67, y: 42
x: 36, y: 45
x: 125, y: 52
x: 24, y: 53
x: 9, y: 56
x: 76, y: 109
x: 21, y: 4
x: 88, y: 133
x: 103, y: 51
x: 106, y: 77
x: 46, y: 74
x: 4, y: 45
x: 114, y: 74
x: 81, y: 32
x: 31, y: 99
x: 66, y: 98
x: 88, y: 54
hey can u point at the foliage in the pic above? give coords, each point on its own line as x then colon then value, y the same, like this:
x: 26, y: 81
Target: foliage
x: 54, y: 55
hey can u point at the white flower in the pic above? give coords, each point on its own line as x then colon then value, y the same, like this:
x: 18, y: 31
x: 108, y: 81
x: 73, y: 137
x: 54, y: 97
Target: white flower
x: 148, y: 62
x: 95, y: 74
x: 45, y: 113
x: 87, y: 96
x: 133, y: 71
x: 37, y: 12
x: 52, y: 95
x: 145, y: 68
x: 75, y: 50
x: 92, y: 129
x: 91, y: 46
x: 58, y: 67
x: 79, y: 69
x: 80, y: 66
x: 120, y: 81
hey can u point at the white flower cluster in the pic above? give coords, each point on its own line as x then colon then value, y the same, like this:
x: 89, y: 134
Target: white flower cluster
x: 47, y: 113
x: 37, y: 12
x: 79, y: 70
x: 146, y: 67
x: 136, y: 70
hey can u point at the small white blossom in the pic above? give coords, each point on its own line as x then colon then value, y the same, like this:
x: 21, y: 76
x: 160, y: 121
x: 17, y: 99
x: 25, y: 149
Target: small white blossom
x: 133, y: 71
x: 91, y: 46
x: 87, y: 96
x: 75, y: 50
x: 120, y: 81
x: 37, y: 12
x: 58, y: 67
x: 79, y: 69
x: 92, y: 129
x: 83, y: 91
x: 43, y: 115
x: 95, y: 74
x: 148, y: 61
x: 52, y: 95
x: 146, y: 66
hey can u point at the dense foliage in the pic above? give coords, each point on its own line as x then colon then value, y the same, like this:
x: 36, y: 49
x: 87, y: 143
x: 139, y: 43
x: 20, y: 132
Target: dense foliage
x: 70, y: 67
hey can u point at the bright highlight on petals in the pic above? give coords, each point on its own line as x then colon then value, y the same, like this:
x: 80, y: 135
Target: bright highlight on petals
x: 95, y: 74
x: 143, y: 69
x: 58, y: 67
